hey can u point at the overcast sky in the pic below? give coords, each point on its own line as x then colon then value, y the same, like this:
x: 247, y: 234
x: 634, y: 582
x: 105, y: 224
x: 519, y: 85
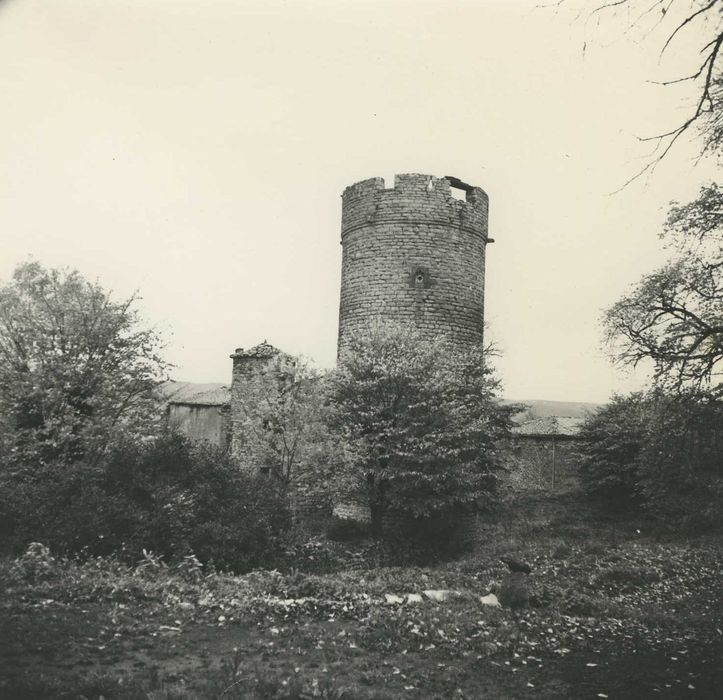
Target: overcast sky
x: 197, y: 151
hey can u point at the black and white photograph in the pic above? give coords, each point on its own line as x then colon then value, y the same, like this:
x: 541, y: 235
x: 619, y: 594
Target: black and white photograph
x: 361, y: 349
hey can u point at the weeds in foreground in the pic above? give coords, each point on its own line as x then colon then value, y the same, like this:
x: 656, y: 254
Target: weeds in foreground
x: 585, y: 596
x: 255, y: 685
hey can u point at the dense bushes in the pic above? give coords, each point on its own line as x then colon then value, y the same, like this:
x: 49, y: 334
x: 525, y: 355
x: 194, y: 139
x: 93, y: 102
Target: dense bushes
x: 84, y: 466
x: 681, y: 464
x: 612, y: 440
x: 659, y: 454
x: 168, y: 496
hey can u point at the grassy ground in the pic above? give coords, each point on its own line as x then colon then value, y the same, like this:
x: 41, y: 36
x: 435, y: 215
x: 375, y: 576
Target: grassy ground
x: 614, y: 613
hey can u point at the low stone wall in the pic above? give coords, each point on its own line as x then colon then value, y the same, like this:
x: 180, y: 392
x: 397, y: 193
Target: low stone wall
x: 352, y: 511
x: 306, y: 499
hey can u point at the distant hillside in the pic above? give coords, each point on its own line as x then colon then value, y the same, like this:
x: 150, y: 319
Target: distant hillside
x: 545, y: 409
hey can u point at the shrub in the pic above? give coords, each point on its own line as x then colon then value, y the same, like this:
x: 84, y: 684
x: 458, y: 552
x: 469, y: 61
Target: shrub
x: 432, y: 537
x: 612, y: 439
x: 59, y: 504
x: 347, y: 530
x: 679, y: 470
x: 657, y: 454
x: 169, y: 496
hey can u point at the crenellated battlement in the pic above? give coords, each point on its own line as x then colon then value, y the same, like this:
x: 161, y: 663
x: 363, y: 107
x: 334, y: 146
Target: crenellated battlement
x: 413, y: 182
x: 414, y: 199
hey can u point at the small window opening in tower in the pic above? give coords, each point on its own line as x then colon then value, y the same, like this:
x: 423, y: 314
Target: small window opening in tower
x: 389, y: 182
x: 419, y: 278
x: 458, y: 193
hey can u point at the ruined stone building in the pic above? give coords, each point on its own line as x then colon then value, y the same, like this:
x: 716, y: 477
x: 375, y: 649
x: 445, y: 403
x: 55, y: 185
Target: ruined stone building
x: 215, y: 412
x: 413, y: 252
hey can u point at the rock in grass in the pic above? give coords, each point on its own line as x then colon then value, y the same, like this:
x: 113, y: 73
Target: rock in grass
x: 490, y: 599
x: 438, y: 596
x: 392, y: 599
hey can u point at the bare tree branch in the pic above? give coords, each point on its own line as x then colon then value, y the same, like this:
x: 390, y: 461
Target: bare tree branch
x: 686, y: 22
x: 707, y: 113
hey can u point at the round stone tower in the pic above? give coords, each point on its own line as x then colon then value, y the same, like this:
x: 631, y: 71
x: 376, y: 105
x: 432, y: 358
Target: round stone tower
x: 415, y: 254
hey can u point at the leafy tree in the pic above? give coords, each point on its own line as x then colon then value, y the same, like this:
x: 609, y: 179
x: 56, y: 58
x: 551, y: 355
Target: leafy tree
x: 286, y: 433
x: 699, y: 221
x: 674, y: 316
x: 281, y: 409
x: 679, y: 473
x: 612, y: 439
x: 422, y: 419
x: 77, y: 372
x: 656, y: 453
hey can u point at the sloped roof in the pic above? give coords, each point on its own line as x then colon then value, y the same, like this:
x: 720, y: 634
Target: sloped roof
x: 195, y: 393
x: 550, y: 425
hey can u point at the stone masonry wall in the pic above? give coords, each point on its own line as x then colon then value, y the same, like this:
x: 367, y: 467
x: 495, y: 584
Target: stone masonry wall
x: 261, y: 373
x: 414, y: 254
x: 249, y: 367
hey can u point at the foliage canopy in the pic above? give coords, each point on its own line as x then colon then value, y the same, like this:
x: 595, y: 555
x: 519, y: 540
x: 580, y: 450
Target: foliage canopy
x: 657, y: 453
x: 423, y: 420
x: 612, y: 440
x: 281, y: 411
x: 167, y: 495
x: 77, y: 371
